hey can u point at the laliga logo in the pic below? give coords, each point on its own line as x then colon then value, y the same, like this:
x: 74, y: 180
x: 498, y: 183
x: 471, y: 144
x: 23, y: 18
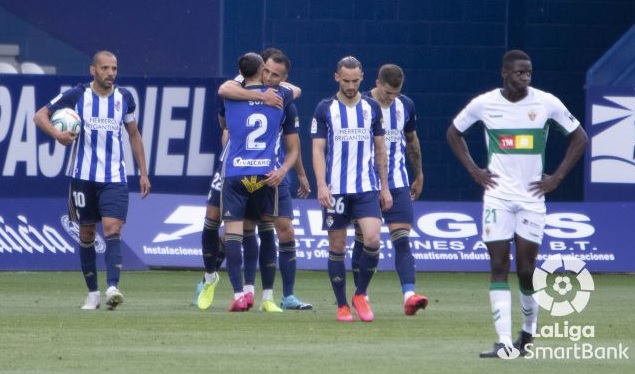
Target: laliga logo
x: 562, y: 284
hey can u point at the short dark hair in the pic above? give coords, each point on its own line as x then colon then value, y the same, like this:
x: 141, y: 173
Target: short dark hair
x: 267, y: 53
x: 391, y: 74
x: 348, y: 62
x: 514, y: 55
x: 249, y: 64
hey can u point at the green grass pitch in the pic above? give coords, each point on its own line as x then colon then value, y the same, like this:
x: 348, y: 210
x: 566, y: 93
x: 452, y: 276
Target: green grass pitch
x: 157, y: 330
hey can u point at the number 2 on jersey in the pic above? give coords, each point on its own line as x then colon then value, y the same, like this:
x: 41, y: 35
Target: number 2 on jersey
x: 259, y: 121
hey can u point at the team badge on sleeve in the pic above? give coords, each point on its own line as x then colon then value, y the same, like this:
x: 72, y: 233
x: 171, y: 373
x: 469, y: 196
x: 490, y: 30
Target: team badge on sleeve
x: 313, y: 126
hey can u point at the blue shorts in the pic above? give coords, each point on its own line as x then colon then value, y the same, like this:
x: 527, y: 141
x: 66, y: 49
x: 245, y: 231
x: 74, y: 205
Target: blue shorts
x: 89, y: 201
x: 245, y: 197
x: 349, y: 207
x: 213, y: 197
x: 401, y: 210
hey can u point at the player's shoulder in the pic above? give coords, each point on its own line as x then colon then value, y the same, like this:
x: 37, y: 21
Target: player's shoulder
x: 539, y: 94
x: 124, y: 92
x: 406, y: 100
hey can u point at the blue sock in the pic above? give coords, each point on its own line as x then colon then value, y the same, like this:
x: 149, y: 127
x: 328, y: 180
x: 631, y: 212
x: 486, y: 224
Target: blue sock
x: 367, y: 266
x: 404, y: 260
x: 220, y: 256
x: 113, y: 259
x: 250, y: 256
x: 210, y: 243
x: 88, y: 260
x: 337, y: 275
x: 358, y: 248
x: 234, y: 256
x: 268, y: 254
x: 287, y: 264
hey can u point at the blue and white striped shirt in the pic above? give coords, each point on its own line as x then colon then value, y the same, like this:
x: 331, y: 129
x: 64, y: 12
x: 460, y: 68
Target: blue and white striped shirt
x: 350, y: 149
x: 98, y: 154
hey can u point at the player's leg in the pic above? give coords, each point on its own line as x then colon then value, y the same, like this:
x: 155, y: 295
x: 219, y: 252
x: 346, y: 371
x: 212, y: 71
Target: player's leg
x: 287, y: 250
x: 113, y: 207
x: 84, y: 210
x: 204, y: 297
x: 234, y: 199
x: 530, y: 223
x: 498, y: 230
x: 358, y: 248
x: 399, y: 219
x: 365, y: 210
x: 250, y: 260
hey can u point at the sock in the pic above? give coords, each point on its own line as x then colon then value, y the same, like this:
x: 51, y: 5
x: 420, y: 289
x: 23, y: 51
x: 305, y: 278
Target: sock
x: 250, y: 256
x: 113, y: 259
x: 367, y: 266
x: 210, y: 242
x: 268, y: 254
x: 337, y: 275
x: 287, y: 265
x: 249, y: 288
x: 358, y: 248
x: 404, y: 260
x: 88, y: 260
x: 501, y: 302
x: 233, y: 244
x: 220, y: 256
x: 530, y: 311
x: 210, y: 277
x: 267, y: 294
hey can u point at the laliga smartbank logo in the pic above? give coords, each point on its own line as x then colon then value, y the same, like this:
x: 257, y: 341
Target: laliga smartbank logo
x: 554, y: 287
x: 563, y: 286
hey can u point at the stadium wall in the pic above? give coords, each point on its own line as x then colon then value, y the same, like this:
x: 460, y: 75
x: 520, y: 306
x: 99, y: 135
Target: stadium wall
x: 450, y: 51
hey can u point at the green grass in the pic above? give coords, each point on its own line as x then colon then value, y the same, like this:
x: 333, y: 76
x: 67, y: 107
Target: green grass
x: 157, y: 330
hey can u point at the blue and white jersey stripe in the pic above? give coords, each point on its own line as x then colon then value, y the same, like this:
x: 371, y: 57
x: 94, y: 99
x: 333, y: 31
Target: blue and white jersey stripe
x: 399, y: 119
x: 350, y: 151
x: 98, y: 154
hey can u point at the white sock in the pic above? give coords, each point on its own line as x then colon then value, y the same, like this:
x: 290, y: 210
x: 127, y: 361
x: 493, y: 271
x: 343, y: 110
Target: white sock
x: 530, y: 313
x: 407, y: 295
x: 210, y: 277
x: 249, y: 288
x: 267, y: 295
x: 501, y: 302
x: 238, y: 295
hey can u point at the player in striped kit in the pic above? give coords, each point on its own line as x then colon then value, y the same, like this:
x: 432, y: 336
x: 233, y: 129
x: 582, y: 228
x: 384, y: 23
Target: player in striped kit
x: 400, y: 123
x: 98, y: 187
x: 349, y: 161
x: 516, y: 119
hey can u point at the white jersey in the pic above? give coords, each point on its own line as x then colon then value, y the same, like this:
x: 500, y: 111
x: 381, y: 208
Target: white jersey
x: 97, y: 153
x: 516, y: 135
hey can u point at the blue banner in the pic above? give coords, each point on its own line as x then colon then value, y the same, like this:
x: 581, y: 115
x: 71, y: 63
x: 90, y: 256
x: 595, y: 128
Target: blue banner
x: 36, y: 234
x: 177, y: 117
x: 610, y: 162
x: 165, y: 231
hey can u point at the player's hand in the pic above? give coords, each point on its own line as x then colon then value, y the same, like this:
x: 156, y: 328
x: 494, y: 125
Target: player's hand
x: 324, y: 196
x: 66, y: 138
x: 416, y: 187
x: 144, y: 184
x: 274, y: 177
x: 270, y: 97
x: 385, y: 199
x: 485, y: 178
x: 304, y: 189
x: 547, y: 184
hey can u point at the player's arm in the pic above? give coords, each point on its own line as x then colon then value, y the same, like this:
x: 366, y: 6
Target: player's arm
x: 458, y: 145
x: 413, y: 152
x: 381, y: 165
x: 297, y: 91
x: 304, y: 189
x: 319, y: 169
x: 292, y: 146
x: 139, y: 155
x: 42, y: 119
x: 578, y: 140
x: 233, y: 90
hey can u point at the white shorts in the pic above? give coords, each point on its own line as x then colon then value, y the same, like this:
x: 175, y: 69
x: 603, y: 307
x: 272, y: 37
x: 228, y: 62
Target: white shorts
x: 503, y: 218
